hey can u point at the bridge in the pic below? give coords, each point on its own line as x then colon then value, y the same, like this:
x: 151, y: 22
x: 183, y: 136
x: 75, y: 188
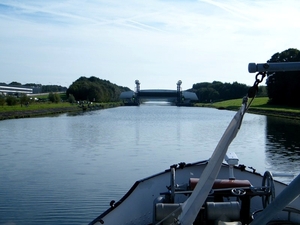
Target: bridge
x: 176, y: 97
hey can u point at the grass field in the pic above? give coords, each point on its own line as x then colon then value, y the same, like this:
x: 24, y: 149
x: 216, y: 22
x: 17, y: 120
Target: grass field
x: 259, y: 106
x: 35, y: 106
x: 44, y: 107
x: 38, y: 105
x: 236, y: 103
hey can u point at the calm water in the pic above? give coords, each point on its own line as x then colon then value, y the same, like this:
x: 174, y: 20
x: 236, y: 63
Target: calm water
x: 66, y: 169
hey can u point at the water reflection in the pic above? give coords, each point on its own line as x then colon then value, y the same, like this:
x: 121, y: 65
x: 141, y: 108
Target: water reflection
x: 282, y: 144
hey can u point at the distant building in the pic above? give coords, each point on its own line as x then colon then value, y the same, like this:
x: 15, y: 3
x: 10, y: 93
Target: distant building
x: 8, y: 89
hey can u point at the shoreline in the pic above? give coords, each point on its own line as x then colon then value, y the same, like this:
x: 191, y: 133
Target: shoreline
x: 281, y: 114
x: 37, y: 113
x: 264, y: 112
x: 32, y: 113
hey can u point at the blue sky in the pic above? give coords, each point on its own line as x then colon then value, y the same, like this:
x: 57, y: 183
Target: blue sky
x: 157, y: 42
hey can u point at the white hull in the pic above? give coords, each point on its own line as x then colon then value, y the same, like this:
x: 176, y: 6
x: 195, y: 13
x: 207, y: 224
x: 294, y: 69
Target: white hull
x: 137, y: 206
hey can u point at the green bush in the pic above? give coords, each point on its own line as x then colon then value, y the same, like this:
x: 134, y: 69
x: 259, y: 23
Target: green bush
x: 11, y: 100
x: 24, y: 99
x: 71, y: 98
x: 54, y: 97
x: 2, y: 100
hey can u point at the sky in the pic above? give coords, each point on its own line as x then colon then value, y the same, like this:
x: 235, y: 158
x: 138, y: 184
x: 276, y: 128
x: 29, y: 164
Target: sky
x: 157, y: 42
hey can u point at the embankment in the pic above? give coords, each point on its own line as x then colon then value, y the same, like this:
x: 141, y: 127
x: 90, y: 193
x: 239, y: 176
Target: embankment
x: 277, y: 113
x: 36, y: 113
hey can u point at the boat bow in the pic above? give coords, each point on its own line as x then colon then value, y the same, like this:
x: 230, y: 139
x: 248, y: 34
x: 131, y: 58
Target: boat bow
x: 192, y: 205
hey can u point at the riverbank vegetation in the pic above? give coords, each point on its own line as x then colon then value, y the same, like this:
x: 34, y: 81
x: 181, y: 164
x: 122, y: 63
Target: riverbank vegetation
x: 48, y: 104
x: 84, y: 94
x: 44, y: 109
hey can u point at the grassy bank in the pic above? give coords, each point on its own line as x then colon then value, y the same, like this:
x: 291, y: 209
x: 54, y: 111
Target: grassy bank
x: 44, y: 107
x: 37, y: 109
x: 258, y: 106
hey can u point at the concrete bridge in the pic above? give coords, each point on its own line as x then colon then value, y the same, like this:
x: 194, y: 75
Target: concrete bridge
x: 177, y: 97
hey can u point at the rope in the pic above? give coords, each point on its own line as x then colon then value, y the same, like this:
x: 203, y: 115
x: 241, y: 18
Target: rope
x: 254, y: 89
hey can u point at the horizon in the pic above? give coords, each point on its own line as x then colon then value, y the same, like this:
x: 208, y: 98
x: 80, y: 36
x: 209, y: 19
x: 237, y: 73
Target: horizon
x: 28, y: 85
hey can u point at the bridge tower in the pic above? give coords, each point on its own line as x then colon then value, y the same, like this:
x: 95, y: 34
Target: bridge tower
x: 137, y: 88
x: 179, y: 93
x: 136, y: 98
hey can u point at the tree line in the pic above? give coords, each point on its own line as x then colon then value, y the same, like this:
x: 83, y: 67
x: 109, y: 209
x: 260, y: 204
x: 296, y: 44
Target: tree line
x: 38, y: 88
x: 218, y: 91
x: 25, y: 100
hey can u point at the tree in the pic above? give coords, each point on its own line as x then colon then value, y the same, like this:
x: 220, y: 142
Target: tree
x: 207, y: 94
x: 95, y: 89
x: 32, y: 85
x: 262, y: 91
x: 54, y: 97
x: 2, y: 100
x: 283, y: 87
x: 24, y: 99
x: 15, y: 83
x: 53, y: 88
x: 218, y: 91
x: 71, y: 98
x: 11, y: 100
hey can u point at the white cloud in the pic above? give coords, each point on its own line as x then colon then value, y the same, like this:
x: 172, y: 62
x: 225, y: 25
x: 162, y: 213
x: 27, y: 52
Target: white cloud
x: 157, y: 42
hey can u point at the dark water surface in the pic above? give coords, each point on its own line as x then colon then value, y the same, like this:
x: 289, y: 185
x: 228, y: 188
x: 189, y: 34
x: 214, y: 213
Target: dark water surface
x: 66, y: 169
